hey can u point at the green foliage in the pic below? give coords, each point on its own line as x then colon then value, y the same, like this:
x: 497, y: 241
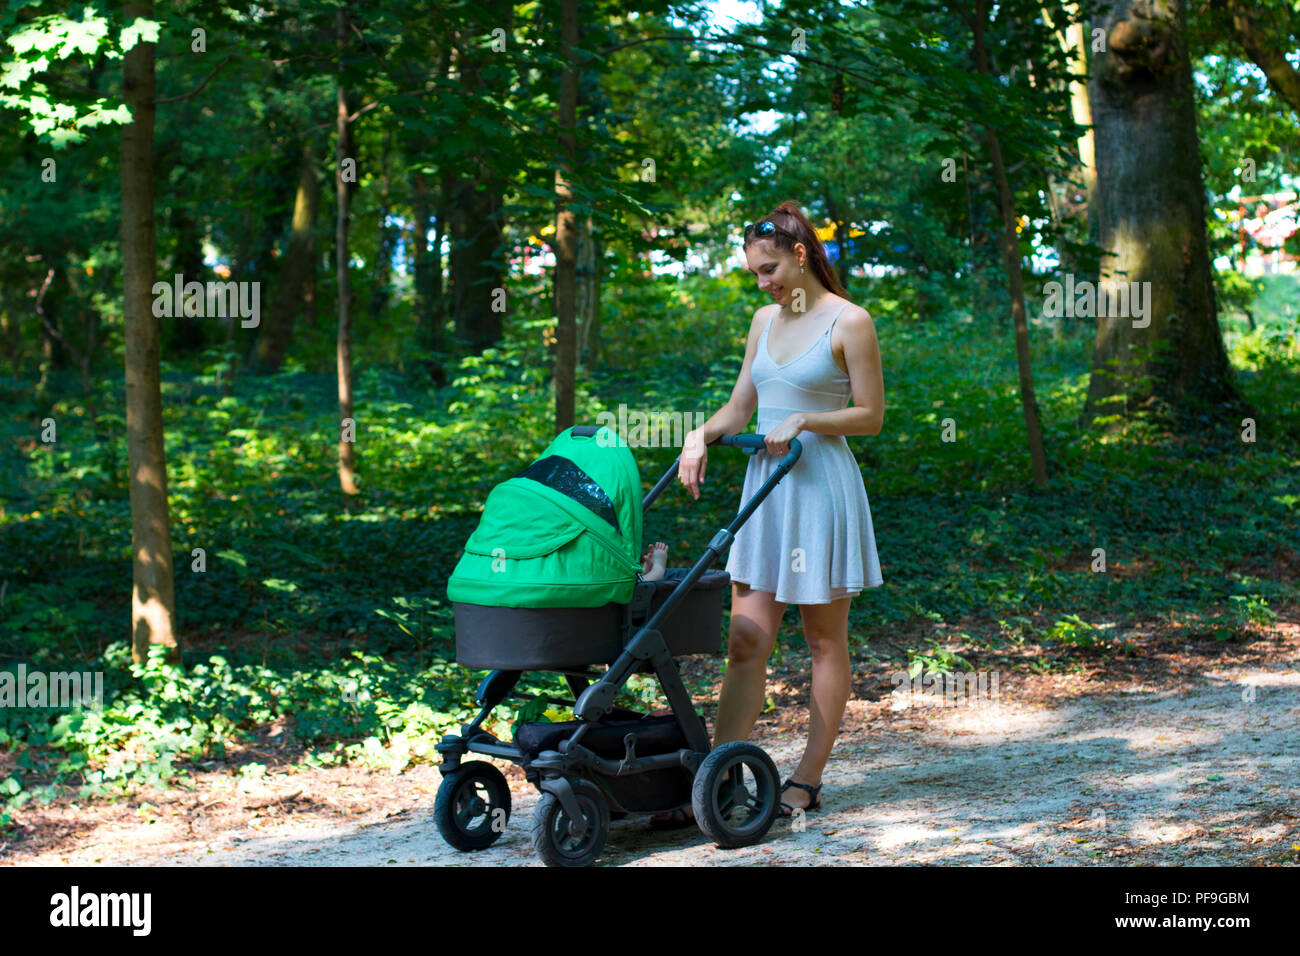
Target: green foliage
x: 1244, y: 612
x: 934, y: 660
x: 379, y: 712
x: 1072, y: 630
x: 44, y: 40
x: 642, y: 692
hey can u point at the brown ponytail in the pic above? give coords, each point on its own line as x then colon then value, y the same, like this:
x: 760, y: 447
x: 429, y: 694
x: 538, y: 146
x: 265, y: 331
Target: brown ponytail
x: 790, y: 217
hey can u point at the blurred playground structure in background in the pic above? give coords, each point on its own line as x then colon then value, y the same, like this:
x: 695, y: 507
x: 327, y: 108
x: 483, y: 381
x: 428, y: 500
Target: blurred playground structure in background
x: 1264, y: 223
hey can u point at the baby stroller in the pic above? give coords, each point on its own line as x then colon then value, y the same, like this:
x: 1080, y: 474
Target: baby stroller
x: 548, y: 582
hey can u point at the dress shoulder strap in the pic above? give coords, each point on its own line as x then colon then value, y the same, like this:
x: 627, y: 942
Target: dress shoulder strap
x: 837, y: 315
x: 771, y: 318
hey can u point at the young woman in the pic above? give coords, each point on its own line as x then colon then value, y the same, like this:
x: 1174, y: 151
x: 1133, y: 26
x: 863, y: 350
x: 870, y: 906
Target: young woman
x: 811, y: 542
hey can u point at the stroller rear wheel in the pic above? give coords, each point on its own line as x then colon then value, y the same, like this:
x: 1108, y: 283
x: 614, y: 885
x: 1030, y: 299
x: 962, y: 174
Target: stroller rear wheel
x: 555, y: 837
x: 736, y: 794
x: 472, y: 806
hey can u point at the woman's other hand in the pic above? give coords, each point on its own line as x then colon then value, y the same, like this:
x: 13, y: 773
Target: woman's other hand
x: 695, y: 455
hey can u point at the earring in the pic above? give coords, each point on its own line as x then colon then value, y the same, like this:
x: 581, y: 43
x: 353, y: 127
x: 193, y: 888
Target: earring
x: 801, y: 270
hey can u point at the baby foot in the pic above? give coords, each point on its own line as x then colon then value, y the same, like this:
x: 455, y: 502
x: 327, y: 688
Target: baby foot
x: 654, y: 562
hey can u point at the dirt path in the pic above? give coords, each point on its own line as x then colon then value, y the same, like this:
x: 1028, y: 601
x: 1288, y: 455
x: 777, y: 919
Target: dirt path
x: 1178, y: 758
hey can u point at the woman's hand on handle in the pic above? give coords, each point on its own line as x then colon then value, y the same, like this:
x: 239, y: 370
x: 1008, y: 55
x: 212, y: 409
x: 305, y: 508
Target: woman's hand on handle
x: 778, y: 439
x: 694, y: 458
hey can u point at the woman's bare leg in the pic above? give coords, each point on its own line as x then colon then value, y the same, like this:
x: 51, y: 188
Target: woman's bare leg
x: 826, y: 630
x: 755, y: 619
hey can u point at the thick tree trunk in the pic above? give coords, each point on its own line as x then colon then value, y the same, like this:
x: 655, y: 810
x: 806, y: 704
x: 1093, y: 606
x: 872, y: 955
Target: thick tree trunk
x: 566, y: 226
x: 344, y: 150
x: 1151, y: 209
x: 153, y: 602
x: 277, y: 332
x: 1011, y: 262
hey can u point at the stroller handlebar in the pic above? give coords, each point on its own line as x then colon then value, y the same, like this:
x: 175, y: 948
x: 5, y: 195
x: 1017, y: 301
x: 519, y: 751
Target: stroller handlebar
x: 748, y: 443
x: 753, y: 443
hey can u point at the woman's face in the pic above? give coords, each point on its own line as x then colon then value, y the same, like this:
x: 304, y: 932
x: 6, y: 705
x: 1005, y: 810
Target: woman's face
x: 776, y: 269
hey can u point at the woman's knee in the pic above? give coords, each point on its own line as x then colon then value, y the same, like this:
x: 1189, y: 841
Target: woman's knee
x: 748, y: 641
x: 826, y: 642
x: 826, y: 630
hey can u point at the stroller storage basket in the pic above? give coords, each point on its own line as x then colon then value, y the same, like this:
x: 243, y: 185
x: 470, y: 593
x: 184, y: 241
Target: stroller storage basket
x: 648, y: 792
x: 560, y: 638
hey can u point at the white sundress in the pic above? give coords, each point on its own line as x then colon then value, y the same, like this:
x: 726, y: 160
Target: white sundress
x: 811, y: 540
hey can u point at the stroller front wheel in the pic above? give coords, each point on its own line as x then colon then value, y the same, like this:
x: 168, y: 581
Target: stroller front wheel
x: 554, y: 835
x: 735, y: 794
x: 472, y: 806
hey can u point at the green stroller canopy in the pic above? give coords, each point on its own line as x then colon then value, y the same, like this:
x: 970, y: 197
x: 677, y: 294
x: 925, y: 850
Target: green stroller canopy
x: 564, y: 532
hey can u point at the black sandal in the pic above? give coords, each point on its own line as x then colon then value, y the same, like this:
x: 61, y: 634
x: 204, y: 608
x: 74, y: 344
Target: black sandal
x: 814, y: 799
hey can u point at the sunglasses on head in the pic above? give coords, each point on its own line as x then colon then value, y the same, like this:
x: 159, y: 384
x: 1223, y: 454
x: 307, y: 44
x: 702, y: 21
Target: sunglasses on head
x: 766, y: 228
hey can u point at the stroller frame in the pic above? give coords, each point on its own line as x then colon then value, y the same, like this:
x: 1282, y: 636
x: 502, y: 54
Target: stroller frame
x: 644, y: 649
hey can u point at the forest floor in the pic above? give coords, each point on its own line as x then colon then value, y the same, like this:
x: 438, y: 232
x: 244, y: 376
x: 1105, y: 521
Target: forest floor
x: 1178, y: 753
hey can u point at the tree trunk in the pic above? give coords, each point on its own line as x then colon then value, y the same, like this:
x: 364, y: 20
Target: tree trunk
x: 50, y: 353
x: 475, y: 220
x: 440, y: 288
x: 431, y: 303
x: 1081, y: 188
x: 983, y: 212
x: 474, y: 212
x: 153, y: 601
x: 1011, y: 262
x: 1081, y: 108
x: 382, y: 274
x: 566, y: 227
x: 598, y: 259
x: 587, y: 302
x: 11, y: 339
x: 47, y: 311
x: 187, y: 330
x: 1268, y: 43
x: 347, y: 425
x: 309, y: 300
x: 422, y: 258
x: 277, y: 334
x: 1151, y: 208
